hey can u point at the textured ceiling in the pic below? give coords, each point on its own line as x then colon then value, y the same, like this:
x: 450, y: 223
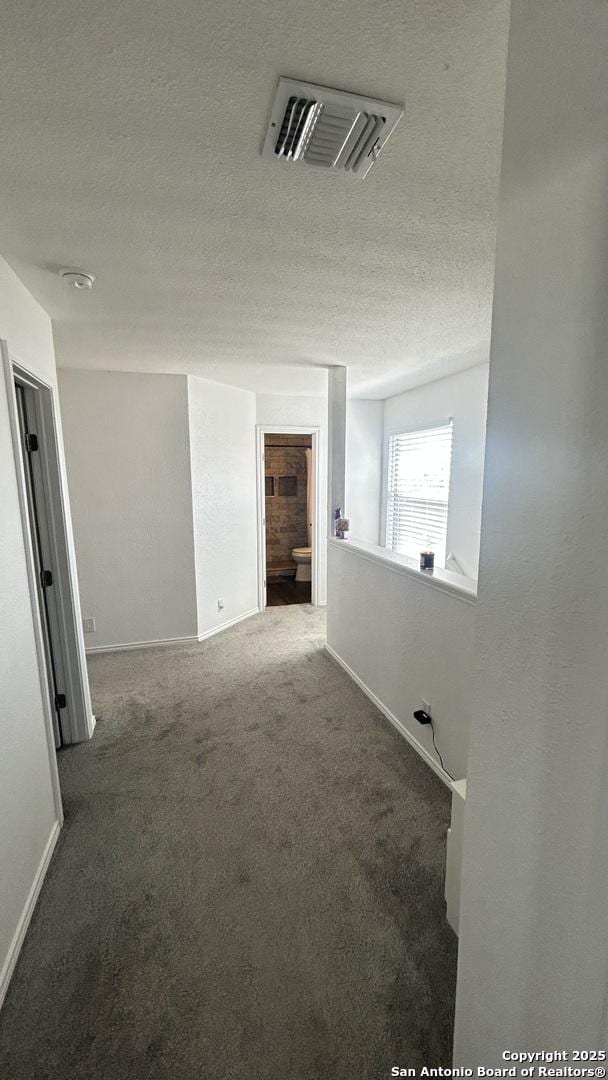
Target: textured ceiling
x: 131, y: 148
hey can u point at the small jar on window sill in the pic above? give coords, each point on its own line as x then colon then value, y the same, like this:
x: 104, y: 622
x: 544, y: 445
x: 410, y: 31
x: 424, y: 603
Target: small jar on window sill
x: 427, y: 560
x: 342, y: 527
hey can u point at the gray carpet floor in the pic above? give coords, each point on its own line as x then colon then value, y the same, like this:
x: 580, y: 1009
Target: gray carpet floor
x: 249, y: 882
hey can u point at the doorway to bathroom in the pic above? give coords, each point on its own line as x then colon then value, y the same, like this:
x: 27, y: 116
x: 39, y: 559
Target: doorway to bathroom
x: 288, y: 515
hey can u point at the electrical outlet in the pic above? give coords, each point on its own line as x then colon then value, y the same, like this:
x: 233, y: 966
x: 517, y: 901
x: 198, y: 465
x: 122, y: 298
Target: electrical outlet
x: 88, y: 626
x: 426, y: 705
x: 220, y: 605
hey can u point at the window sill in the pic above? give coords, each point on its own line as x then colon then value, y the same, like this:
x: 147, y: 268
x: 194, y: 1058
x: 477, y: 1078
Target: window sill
x: 446, y: 581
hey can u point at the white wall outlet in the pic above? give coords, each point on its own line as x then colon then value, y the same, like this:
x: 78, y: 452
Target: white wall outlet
x: 426, y: 705
x: 88, y: 626
x: 220, y: 605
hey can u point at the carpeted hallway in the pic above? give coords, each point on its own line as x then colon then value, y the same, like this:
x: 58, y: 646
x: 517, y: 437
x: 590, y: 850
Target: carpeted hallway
x: 249, y: 883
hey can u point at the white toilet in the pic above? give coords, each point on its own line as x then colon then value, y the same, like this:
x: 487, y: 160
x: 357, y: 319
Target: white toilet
x: 302, y: 557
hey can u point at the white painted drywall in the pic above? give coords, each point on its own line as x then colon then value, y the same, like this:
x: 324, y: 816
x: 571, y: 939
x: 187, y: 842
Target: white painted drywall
x: 278, y: 409
x: 336, y: 445
x: 222, y: 449
x: 128, y: 454
x: 533, y: 963
x: 463, y: 397
x: 28, y: 815
x: 405, y: 640
x: 364, y: 441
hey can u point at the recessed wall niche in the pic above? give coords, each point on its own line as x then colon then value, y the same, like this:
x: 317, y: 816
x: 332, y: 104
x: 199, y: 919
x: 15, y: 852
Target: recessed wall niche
x: 288, y: 485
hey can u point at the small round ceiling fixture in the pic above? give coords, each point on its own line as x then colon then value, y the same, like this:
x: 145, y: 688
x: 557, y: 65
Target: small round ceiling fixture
x: 77, y: 279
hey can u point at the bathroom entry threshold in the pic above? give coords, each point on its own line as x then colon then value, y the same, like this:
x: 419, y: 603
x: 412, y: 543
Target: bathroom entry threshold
x: 308, y: 592
x: 283, y: 591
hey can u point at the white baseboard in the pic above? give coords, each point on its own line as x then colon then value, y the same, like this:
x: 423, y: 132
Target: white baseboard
x: 162, y: 642
x: 156, y: 644
x: 10, y: 961
x: 228, y: 623
x: 418, y: 747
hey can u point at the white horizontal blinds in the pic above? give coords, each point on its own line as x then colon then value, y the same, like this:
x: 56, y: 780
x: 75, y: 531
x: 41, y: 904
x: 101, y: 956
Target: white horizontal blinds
x: 418, y: 490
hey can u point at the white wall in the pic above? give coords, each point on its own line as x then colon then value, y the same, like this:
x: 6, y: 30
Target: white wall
x: 222, y: 447
x: 336, y: 444
x: 28, y: 815
x: 464, y: 398
x: 364, y: 444
x: 405, y: 640
x: 533, y: 964
x: 298, y: 412
x: 127, y: 447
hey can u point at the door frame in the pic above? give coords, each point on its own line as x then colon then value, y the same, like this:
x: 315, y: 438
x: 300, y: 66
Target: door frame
x: 41, y: 547
x: 288, y: 429
x: 78, y: 721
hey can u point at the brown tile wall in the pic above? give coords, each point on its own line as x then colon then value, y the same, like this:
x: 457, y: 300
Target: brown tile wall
x: 285, y: 514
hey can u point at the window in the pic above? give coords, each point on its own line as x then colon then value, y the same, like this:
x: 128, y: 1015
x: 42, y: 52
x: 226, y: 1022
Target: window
x: 418, y: 485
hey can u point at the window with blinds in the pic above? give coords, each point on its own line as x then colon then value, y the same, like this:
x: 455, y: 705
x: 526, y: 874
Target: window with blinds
x: 418, y: 487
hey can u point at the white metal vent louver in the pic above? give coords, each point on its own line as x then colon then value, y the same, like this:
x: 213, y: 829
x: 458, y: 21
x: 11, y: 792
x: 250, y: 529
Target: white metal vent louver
x: 329, y: 129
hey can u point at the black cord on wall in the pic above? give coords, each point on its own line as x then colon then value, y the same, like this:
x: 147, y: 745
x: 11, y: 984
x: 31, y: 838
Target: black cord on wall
x: 425, y: 718
x: 438, y: 752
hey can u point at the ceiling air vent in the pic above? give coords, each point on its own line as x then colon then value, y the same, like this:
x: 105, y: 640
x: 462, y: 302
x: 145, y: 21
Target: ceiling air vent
x: 328, y: 129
